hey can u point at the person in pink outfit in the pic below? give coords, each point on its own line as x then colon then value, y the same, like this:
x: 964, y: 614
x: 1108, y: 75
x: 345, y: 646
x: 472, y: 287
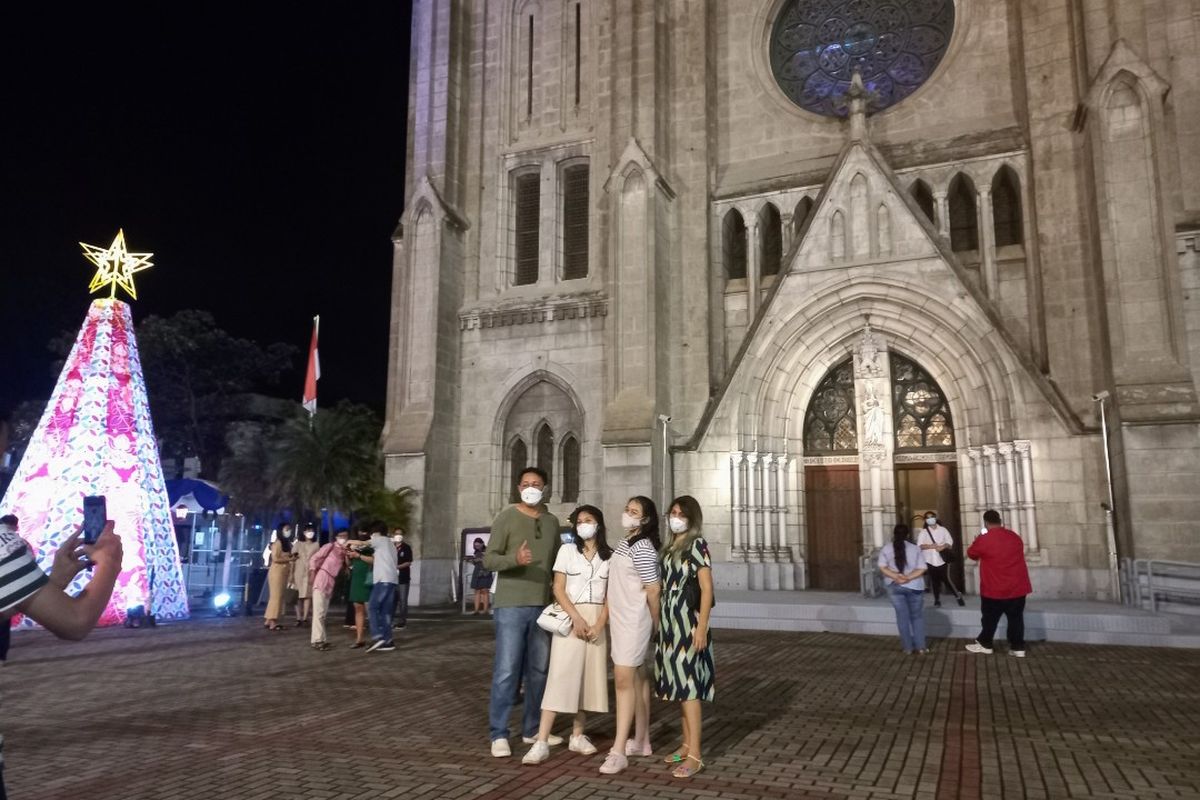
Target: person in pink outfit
x: 323, y: 568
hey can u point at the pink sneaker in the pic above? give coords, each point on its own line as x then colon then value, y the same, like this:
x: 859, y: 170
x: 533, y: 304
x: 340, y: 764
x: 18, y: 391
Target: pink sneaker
x: 613, y: 764
x: 632, y: 749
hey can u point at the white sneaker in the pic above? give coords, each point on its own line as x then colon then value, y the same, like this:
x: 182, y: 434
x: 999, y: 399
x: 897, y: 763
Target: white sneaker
x: 976, y: 647
x: 613, y: 764
x: 582, y: 745
x: 378, y: 643
x: 500, y: 748
x: 1017, y: 653
x: 537, y: 754
x: 553, y: 741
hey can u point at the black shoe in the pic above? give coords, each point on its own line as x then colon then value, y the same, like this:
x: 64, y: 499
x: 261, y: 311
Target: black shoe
x: 937, y: 603
x: 961, y: 602
x: 386, y: 647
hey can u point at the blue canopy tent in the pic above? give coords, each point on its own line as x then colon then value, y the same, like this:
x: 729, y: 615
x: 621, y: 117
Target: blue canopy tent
x: 195, y: 495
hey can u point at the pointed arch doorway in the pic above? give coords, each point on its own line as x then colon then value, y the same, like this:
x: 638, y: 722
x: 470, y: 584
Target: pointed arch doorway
x: 918, y: 461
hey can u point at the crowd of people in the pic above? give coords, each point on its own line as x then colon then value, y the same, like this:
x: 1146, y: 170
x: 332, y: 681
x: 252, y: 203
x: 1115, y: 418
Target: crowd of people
x: 371, y: 567
x: 643, y: 602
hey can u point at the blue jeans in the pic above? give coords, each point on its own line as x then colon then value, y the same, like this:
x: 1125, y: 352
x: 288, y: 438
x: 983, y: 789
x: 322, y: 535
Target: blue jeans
x: 379, y: 610
x: 522, y: 650
x: 910, y: 616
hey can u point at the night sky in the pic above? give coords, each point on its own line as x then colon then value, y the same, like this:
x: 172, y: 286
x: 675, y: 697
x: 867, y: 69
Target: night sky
x: 257, y: 150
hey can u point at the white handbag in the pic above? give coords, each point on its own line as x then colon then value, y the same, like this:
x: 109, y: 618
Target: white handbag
x: 554, y: 619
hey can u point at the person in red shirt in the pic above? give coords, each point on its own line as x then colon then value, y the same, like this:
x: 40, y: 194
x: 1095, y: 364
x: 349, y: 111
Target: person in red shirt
x: 1003, y: 584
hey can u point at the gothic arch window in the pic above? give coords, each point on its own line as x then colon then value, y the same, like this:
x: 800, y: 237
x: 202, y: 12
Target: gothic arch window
x: 770, y: 239
x: 964, y: 217
x: 570, y: 469
x: 921, y: 414
x: 829, y: 423
x: 1006, y: 207
x: 733, y: 244
x: 527, y: 210
x: 544, y: 442
x: 801, y: 214
x: 815, y: 48
x: 518, y: 459
x: 540, y: 408
x: 575, y: 217
x: 920, y: 193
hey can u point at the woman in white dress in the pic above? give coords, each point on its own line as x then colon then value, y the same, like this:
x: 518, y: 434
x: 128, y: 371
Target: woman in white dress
x: 634, y: 586
x: 577, y: 681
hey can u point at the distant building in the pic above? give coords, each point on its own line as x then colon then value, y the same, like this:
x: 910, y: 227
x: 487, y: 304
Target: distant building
x: 854, y: 304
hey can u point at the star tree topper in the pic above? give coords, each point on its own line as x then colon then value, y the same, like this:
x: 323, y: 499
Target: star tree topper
x: 115, y: 265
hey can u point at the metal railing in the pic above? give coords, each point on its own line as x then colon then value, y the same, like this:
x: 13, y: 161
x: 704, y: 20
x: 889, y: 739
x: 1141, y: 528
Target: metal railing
x: 1145, y: 582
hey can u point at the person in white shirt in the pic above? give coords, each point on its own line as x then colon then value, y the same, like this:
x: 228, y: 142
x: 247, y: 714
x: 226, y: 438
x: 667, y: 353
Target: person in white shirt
x: 934, y: 540
x: 577, y: 681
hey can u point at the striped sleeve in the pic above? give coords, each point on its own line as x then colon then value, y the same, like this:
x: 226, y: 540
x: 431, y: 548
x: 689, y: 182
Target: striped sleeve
x: 20, y: 575
x: 645, y: 561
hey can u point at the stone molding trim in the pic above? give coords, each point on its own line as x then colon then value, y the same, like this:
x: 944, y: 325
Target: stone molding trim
x: 823, y: 461
x: 925, y: 458
x: 542, y: 309
x: 1003, y: 480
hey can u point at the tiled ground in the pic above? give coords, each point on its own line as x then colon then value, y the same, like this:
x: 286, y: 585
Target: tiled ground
x: 221, y: 709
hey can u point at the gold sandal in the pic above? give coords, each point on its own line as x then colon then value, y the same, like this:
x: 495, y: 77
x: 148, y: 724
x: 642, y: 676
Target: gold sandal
x: 676, y: 757
x: 686, y: 771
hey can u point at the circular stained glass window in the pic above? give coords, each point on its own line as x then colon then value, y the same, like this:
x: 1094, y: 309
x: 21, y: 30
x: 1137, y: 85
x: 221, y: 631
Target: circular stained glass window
x: 816, y: 45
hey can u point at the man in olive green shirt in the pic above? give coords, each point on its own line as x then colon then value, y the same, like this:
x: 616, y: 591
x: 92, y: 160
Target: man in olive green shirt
x: 522, y: 548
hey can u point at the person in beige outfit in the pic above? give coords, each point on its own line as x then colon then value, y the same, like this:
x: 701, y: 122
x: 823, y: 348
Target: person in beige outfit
x: 577, y: 681
x: 278, y: 575
x: 304, y: 550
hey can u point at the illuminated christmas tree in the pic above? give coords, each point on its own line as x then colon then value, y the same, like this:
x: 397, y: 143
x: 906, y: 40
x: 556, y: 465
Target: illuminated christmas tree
x: 96, y: 438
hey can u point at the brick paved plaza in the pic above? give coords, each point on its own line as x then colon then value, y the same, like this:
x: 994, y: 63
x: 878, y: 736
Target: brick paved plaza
x: 221, y: 709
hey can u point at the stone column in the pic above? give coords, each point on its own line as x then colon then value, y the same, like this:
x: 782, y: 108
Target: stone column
x: 753, y: 266
x: 975, y: 455
x: 782, y: 551
x: 987, y: 244
x: 1024, y: 452
x: 943, y: 213
x: 1005, y: 451
x: 767, y: 481
x: 753, y: 552
x: 874, y: 458
x: 994, y: 497
x: 735, y: 481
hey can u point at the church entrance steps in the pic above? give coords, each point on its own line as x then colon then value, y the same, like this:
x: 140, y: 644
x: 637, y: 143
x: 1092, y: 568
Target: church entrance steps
x: 1075, y: 621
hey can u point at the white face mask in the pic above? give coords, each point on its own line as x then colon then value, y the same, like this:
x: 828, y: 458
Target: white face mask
x: 931, y: 520
x: 630, y: 522
x: 342, y: 542
x: 677, y: 524
x: 531, y: 495
x: 308, y: 534
x: 586, y: 530
x: 397, y: 538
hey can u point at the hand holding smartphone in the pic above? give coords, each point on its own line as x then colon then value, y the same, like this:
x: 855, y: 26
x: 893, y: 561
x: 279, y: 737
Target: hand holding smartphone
x: 95, y: 516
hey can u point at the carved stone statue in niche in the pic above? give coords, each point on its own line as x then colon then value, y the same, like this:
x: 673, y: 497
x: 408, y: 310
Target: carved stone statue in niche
x: 870, y: 354
x: 872, y: 411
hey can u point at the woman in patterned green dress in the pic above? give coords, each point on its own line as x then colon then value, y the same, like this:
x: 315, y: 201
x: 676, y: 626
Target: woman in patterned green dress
x: 683, y: 659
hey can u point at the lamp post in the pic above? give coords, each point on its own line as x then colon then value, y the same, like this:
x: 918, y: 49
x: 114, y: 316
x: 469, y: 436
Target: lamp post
x: 665, y: 419
x: 1114, y: 568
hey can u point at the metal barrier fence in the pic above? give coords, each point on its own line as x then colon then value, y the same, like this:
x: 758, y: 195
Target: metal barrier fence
x: 1145, y: 582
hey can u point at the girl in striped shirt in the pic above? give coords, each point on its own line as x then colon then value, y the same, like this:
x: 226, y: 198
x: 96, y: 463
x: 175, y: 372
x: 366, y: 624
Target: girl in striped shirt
x: 634, y: 584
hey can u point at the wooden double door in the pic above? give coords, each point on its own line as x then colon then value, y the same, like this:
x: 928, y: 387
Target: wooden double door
x: 833, y: 515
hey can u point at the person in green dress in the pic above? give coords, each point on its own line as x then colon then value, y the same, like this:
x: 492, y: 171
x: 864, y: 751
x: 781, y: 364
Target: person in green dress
x: 683, y: 659
x: 361, y: 567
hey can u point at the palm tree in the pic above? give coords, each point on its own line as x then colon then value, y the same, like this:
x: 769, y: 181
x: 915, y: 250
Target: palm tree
x: 330, y: 460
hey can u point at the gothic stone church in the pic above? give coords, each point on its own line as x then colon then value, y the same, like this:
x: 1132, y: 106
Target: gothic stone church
x: 870, y: 257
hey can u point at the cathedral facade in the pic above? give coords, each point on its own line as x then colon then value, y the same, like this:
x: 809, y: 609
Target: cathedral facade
x: 822, y: 264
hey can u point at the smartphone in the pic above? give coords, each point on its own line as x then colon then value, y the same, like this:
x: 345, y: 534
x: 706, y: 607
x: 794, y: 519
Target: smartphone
x: 95, y: 516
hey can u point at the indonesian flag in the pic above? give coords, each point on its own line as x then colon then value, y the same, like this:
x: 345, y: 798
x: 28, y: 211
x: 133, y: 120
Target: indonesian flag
x: 314, y: 371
